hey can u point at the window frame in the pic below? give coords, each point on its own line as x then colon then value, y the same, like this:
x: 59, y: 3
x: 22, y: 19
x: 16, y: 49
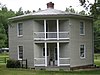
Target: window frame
x: 18, y: 52
x: 18, y: 32
x: 84, y: 51
x: 83, y: 28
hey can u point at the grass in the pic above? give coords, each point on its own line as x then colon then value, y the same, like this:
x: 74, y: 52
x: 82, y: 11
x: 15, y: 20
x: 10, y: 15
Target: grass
x: 97, y: 59
x: 7, y: 71
x: 3, y: 58
x: 19, y: 71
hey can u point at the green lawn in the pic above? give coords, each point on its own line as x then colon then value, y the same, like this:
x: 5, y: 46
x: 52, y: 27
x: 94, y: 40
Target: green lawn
x: 97, y: 59
x: 7, y: 71
x: 3, y: 58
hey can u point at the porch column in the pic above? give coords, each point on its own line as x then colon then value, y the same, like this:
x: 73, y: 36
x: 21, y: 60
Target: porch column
x: 45, y: 29
x: 45, y: 54
x: 57, y: 29
x: 58, y: 54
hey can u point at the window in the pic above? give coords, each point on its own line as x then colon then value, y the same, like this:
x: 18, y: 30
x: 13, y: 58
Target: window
x: 82, y: 28
x: 20, y: 52
x: 20, y: 29
x: 44, y: 52
x: 82, y: 51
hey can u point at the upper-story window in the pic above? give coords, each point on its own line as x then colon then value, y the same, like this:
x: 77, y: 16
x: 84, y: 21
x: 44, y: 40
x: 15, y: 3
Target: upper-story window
x: 82, y: 51
x: 20, y: 29
x: 82, y: 28
x: 20, y: 52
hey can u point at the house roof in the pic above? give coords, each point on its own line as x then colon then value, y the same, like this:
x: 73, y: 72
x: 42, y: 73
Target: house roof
x: 50, y: 11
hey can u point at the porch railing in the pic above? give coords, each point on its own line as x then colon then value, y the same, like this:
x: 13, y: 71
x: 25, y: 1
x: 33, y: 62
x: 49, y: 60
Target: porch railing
x: 39, y: 61
x: 50, y: 35
x: 64, y: 61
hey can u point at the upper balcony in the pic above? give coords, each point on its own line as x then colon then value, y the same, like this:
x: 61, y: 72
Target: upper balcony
x: 52, y: 30
x: 51, y: 36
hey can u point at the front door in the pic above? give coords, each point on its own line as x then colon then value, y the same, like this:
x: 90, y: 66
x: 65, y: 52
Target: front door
x: 55, y: 56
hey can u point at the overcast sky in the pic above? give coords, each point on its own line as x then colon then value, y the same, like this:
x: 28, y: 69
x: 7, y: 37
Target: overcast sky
x: 36, y: 4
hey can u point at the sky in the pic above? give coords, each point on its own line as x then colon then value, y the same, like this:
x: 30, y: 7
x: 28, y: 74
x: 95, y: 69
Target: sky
x: 36, y: 4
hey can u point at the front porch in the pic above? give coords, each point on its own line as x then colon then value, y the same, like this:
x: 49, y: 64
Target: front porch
x: 51, y: 55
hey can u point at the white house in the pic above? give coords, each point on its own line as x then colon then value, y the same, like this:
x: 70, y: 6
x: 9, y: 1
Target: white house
x: 52, y: 37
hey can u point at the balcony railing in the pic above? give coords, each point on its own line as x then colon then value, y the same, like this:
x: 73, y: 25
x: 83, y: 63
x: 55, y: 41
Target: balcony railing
x: 50, y: 35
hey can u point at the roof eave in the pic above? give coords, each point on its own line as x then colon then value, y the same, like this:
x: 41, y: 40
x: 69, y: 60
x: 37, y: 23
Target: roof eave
x: 51, y: 15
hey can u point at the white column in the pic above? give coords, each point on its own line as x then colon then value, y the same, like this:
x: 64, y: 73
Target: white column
x: 57, y: 29
x: 58, y: 54
x: 45, y: 54
x: 45, y: 28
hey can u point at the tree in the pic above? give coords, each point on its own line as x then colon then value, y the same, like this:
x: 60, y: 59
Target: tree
x: 70, y: 9
x: 95, y: 12
x: 3, y: 36
x: 27, y: 12
x: 4, y: 15
x: 82, y: 12
x: 19, y: 12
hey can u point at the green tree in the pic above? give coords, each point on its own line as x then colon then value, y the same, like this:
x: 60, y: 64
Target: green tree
x: 4, y: 15
x: 19, y: 12
x: 95, y: 12
x: 70, y: 9
x: 3, y: 36
x: 82, y: 12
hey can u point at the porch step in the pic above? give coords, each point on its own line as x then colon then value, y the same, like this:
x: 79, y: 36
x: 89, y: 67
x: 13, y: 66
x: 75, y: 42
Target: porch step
x: 56, y: 68
x: 53, y: 68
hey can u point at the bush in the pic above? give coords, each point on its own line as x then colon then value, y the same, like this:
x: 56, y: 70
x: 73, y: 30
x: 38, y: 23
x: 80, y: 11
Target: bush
x: 13, y: 64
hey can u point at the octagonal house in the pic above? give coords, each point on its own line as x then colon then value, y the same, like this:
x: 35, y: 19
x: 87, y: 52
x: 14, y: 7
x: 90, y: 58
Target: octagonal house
x: 52, y: 37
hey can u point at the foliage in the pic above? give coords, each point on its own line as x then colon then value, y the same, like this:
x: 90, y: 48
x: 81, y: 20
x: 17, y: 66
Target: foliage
x: 70, y: 9
x: 13, y: 64
x: 97, y: 35
x: 19, y: 12
x: 95, y: 12
x: 2, y: 36
x: 4, y: 15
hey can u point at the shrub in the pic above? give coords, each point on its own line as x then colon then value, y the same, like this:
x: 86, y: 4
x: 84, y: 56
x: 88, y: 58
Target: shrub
x: 13, y: 64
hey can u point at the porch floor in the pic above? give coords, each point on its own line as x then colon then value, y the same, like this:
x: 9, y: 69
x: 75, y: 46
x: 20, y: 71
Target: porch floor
x: 53, y: 68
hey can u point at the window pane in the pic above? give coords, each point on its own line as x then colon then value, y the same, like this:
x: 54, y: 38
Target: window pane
x: 20, y: 52
x: 20, y: 28
x: 82, y: 51
x: 81, y: 28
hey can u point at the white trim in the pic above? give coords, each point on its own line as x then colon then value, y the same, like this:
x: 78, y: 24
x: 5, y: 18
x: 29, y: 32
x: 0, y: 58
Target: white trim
x: 65, y: 58
x: 45, y: 28
x: 57, y: 29
x: 18, y: 51
x: 45, y: 54
x: 84, y: 51
x: 83, y: 27
x: 58, y: 54
x: 18, y: 29
x: 64, y: 64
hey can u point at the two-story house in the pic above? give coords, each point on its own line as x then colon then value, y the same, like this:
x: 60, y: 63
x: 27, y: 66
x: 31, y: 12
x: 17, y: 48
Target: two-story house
x: 52, y: 37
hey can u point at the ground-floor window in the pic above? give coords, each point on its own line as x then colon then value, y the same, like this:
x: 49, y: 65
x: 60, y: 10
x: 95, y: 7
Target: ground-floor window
x: 82, y: 51
x: 43, y: 52
x: 20, y: 52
